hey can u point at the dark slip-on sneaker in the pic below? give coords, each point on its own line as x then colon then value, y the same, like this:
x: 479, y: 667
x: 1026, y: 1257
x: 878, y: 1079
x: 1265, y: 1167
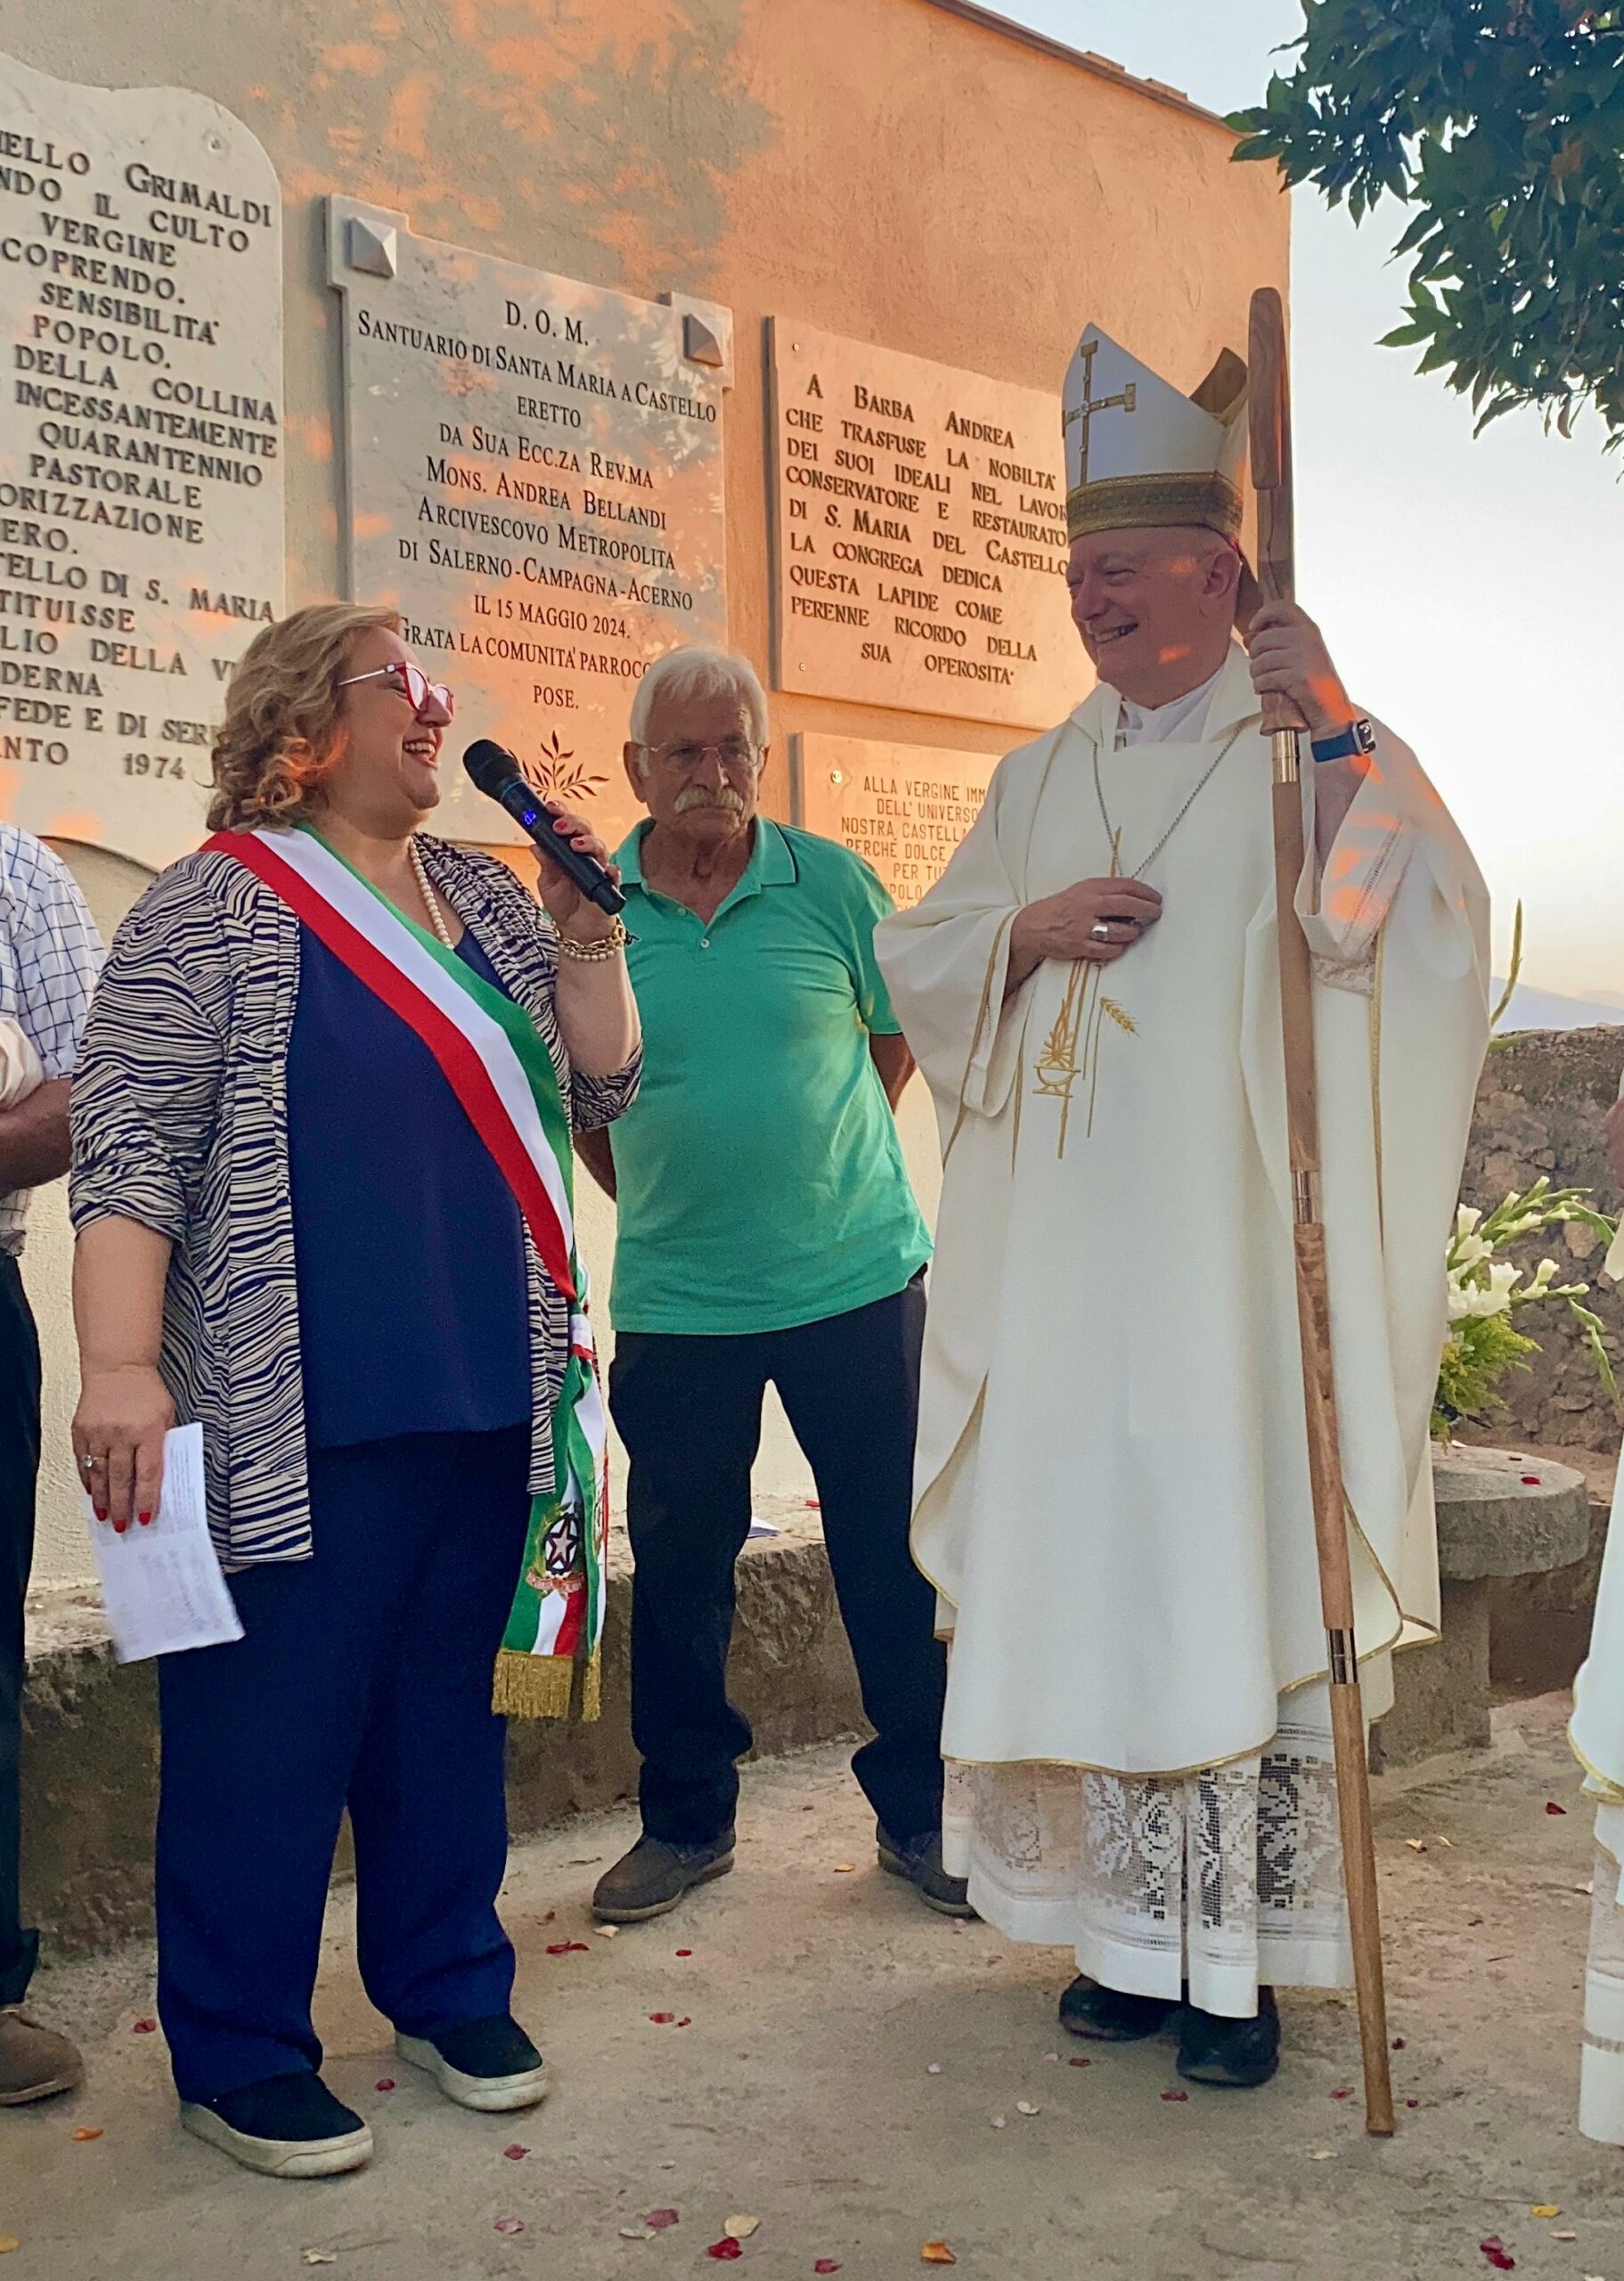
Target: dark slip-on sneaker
x: 490, y: 2065
x: 288, y: 2126
x: 1231, y: 2055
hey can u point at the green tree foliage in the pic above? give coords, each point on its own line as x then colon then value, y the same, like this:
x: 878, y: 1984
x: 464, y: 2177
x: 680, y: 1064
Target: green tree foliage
x: 1502, y: 122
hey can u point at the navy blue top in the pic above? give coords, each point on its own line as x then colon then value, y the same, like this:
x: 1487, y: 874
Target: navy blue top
x: 413, y: 1313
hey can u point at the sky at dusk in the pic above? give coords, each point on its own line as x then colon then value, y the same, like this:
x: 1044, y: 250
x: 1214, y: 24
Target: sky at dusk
x: 1470, y: 590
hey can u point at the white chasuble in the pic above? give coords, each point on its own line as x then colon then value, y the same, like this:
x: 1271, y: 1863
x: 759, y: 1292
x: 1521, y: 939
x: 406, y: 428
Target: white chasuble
x: 1112, y: 1493
x: 1597, y: 1733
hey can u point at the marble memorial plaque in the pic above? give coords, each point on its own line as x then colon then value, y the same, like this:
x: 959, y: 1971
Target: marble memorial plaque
x: 903, y: 808
x: 141, y: 463
x: 534, y: 481
x: 919, y: 535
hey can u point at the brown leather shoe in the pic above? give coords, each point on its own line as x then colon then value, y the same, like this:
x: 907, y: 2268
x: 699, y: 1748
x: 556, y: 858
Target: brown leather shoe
x: 36, y: 2062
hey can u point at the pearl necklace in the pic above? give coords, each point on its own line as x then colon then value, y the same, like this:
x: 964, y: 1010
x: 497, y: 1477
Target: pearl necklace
x: 431, y: 902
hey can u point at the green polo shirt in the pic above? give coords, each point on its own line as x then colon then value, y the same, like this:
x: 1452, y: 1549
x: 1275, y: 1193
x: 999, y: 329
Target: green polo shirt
x: 760, y: 1177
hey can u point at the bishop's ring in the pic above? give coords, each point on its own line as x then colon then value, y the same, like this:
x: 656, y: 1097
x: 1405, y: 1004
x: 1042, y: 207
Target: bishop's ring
x: 1101, y: 930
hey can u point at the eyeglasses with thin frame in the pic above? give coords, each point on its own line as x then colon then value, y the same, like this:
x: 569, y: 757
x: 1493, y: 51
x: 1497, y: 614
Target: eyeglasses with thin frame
x: 410, y: 681
x: 739, y: 756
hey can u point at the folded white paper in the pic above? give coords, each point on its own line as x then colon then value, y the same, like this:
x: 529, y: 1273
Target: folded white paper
x: 161, y: 1585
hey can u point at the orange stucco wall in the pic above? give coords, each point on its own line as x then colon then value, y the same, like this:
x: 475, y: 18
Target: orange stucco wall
x: 881, y: 168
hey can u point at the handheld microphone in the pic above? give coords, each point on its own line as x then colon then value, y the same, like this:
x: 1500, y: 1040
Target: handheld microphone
x: 499, y: 777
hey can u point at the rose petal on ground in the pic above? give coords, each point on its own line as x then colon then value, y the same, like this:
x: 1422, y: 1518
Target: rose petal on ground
x: 637, y: 2234
x: 509, y: 2226
x: 1175, y: 2098
x: 1398, y: 2043
x: 1001, y: 2122
x: 1545, y: 2209
x: 514, y: 2154
x: 1565, y: 2234
x: 1412, y: 2102
x: 606, y: 1932
x: 1080, y: 2063
x: 1495, y: 2250
x: 685, y: 2024
x: 1051, y: 2059
x: 1345, y: 2092
x: 8, y: 2242
x: 936, y: 2253
x: 1552, y: 1807
x: 1415, y: 1844
x: 83, y: 2136
x: 1322, y: 2154
x: 813, y: 1505
x: 827, y: 2265
x: 741, y: 2228
x: 566, y: 1948
x: 661, y: 2220
x: 145, y: 2027
x: 844, y: 1869
x: 1449, y: 1842
x: 726, y: 2248
x: 384, y: 2083
x: 1026, y: 2107
x: 685, y: 1952
x: 934, y: 2068
x: 662, y: 2019
x: 318, y: 2257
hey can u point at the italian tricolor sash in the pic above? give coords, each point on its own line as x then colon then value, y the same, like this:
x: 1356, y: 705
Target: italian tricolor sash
x: 489, y: 1055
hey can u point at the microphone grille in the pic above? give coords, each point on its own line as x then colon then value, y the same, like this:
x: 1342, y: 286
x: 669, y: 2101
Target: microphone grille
x: 489, y: 764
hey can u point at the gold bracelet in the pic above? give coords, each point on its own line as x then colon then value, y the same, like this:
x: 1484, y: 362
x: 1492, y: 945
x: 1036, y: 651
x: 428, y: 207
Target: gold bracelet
x: 608, y: 946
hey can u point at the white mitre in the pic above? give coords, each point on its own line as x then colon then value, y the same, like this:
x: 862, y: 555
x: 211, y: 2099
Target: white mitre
x: 1138, y: 453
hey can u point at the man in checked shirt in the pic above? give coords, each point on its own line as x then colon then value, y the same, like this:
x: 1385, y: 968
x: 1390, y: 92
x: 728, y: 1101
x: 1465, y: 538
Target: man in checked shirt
x: 49, y: 954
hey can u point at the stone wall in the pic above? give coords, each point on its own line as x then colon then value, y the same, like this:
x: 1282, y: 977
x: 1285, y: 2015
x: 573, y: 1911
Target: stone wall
x: 1539, y: 1109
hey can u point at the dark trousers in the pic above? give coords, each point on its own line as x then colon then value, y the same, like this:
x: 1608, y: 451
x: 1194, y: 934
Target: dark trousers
x: 689, y: 1412
x: 363, y: 1679
x: 19, y: 1470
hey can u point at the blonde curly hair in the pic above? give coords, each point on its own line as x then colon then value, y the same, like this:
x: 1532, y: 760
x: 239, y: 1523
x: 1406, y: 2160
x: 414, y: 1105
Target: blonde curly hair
x: 281, y: 734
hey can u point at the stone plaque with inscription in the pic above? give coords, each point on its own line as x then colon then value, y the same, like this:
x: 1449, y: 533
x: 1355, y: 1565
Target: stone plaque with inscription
x: 919, y: 535
x: 141, y: 465
x: 903, y: 808
x: 534, y: 480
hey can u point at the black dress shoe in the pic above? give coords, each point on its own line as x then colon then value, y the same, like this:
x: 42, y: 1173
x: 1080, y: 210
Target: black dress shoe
x: 1234, y: 2055
x: 1108, y: 2016
x: 654, y: 1877
x: 919, y: 1860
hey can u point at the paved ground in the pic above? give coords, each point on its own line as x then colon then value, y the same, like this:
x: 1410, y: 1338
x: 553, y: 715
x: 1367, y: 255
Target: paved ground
x: 802, y: 2091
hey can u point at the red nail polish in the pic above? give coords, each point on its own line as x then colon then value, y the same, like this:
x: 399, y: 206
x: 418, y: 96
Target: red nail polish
x: 101, y: 1512
x: 145, y: 1519
x: 119, y: 1527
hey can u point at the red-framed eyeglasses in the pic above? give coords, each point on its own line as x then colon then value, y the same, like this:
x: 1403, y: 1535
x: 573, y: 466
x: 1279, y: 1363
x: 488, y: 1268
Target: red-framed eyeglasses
x: 412, y: 683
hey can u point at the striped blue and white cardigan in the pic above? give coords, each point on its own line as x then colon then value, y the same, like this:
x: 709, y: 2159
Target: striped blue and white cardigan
x: 179, y: 1117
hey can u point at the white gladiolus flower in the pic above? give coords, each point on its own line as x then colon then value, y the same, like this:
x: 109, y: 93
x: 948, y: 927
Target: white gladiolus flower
x: 1466, y: 1220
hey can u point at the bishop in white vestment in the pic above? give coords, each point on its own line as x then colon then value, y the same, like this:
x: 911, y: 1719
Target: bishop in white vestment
x: 1112, y: 1488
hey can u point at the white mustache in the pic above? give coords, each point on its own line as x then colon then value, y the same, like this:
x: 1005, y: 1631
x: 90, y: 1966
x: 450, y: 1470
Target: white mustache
x: 697, y: 796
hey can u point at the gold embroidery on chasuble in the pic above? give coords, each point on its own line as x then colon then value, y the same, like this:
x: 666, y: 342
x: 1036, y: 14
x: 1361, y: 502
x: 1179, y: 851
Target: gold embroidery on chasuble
x: 1071, y: 1049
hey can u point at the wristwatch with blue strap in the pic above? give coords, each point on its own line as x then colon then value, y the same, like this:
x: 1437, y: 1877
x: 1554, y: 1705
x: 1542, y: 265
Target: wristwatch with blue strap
x: 1359, y: 736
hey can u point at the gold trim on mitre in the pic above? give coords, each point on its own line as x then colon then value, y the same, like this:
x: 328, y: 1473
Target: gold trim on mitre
x: 1129, y: 502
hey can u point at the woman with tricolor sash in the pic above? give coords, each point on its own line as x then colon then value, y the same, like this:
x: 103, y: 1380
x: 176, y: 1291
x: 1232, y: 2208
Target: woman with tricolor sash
x: 323, y: 1189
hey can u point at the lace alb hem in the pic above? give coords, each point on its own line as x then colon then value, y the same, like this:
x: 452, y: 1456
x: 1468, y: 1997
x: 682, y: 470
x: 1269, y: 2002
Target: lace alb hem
x: 1222, y: 1880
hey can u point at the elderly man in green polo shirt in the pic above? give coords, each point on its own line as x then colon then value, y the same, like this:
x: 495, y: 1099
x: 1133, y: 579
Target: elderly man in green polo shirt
x: 767, y: 1233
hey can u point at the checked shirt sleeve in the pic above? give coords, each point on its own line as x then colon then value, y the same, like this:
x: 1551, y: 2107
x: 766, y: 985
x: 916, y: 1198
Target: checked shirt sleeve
x: 50, y: 953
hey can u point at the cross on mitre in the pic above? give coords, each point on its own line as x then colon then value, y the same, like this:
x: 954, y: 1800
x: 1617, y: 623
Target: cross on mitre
x: 1091, y: 404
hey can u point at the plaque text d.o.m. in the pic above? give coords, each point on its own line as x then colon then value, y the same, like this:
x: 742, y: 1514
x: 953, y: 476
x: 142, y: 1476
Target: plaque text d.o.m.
x: 534, y: 481
x: 919, y: 535
x: 141, y: 461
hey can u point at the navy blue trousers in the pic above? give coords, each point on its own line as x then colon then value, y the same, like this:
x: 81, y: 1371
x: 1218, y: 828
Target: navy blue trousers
x: 364, y: 1680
